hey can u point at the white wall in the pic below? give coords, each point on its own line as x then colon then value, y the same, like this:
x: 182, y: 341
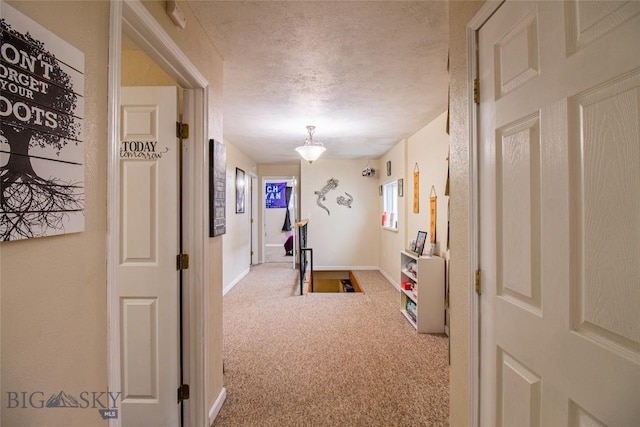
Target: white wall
x: 236, y: 242
x: 348, y: 237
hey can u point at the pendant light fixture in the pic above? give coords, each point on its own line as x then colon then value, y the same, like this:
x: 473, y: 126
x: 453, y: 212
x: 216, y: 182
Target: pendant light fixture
x: 311, y: 151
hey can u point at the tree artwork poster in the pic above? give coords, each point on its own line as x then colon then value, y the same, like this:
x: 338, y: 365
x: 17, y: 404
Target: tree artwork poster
x: 41, y: 131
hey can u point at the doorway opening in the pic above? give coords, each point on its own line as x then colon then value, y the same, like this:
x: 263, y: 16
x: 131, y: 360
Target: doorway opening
x: 134, y: 20
x: 279, y: 218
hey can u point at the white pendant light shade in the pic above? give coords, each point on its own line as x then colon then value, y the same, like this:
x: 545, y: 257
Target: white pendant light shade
x: 311, y: 151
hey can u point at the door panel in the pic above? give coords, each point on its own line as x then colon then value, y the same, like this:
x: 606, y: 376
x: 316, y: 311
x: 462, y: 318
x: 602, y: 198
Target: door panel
x: 147, y: 278
x: 139, y: 214
x: 559, y: 170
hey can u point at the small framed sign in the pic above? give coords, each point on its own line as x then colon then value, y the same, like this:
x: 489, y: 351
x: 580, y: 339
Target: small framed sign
x: 420, y: 241
x: 240, y: 186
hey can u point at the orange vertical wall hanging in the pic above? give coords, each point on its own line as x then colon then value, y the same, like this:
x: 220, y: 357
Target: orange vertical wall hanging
x: 416, y: 189
x: 433, y: 198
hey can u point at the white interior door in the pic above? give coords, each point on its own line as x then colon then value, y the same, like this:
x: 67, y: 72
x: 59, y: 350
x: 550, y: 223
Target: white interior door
x: 147, y: 277
x: 559, y: 166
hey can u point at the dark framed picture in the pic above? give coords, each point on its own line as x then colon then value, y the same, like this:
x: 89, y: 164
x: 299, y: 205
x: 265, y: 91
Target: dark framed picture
x: 217, y: 188
x: 388, y: 167
x: 401, y: 187
x: 420, y: 241
x: 380, y: 190
x: 240, y: 193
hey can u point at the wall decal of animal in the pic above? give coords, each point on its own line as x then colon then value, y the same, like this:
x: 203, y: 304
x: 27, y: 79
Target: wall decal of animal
x: 322, y: 194
x: 344, y: 201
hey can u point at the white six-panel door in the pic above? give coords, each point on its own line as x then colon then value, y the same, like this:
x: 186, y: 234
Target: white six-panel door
x: 147, y: 276
x: 559, y: 169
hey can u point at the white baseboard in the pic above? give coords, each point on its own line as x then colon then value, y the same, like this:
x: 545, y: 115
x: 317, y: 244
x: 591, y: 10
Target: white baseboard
x: 235, y: 282
x: 217, y: 405
x: 393, y: 282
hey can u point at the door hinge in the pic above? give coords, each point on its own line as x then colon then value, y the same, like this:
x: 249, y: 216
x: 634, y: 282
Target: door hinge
x: 251, y: 253
x: 476, y: 91
x: 182, y: 130
x: 478, y: 283
x: 183, y: 393
x: 182, y: 261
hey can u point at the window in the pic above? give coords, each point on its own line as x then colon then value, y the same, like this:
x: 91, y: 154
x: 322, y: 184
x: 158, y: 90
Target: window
x: 390, y: 205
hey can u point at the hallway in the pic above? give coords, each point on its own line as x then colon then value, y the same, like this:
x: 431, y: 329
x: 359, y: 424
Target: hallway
x: 327, y: 359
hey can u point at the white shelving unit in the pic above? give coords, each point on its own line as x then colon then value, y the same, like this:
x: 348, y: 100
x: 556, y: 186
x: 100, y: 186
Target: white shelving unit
x: 423, y: 303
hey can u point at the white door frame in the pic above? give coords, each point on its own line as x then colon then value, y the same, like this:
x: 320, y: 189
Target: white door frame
x: 255, y: 245
x: 131, y: 17
x: 472, y: 29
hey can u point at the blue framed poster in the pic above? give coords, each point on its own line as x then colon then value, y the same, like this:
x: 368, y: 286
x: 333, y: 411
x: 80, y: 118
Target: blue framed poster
x: 274, y: 196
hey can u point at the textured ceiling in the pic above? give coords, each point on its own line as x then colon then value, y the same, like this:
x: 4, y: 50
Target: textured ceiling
x: 365, y: 73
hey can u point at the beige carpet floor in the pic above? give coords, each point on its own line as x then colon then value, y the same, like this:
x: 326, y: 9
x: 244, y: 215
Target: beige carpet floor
x: 347, y: 359
x: 277, y: 254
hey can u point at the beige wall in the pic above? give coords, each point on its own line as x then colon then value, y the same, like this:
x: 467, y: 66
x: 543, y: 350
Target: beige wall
x: 237, y: 240
x: 392, y: 242
x: 429, y: 147
x: 54, y: 320
x: 348, y: 238
x: 140, y: 70
x: 460, y: 13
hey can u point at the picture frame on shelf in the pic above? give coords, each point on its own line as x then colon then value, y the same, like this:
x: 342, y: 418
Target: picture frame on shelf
x: 420, y: 241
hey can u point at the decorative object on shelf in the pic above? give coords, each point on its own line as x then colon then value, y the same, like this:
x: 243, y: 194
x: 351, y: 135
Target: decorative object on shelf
x: 401, y: 187
x: 416, y: 188
x: 322, y: 194
x: 388, y: 167
x: 420, y: 241
x: 240, y: 186
x: 311, y: 151
x: 343, y: 201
